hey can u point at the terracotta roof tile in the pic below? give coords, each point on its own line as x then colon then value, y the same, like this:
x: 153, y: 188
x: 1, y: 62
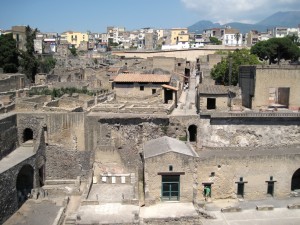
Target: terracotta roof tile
x: 144, y: 78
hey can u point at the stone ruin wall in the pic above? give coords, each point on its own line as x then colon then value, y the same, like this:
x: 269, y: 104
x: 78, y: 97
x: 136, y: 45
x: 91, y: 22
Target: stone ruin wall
x: 8, y: 191
x: 255, y: 170
x: 249, y: 132
x: 124, y: 137
x: 8, y: 135
x: 66, y: 154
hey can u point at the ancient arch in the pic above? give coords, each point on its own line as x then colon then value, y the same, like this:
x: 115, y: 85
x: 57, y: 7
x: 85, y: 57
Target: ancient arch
x: 24, y: 183
x: 192, y: 133
x: 27, y: 134
x: 296, y: 180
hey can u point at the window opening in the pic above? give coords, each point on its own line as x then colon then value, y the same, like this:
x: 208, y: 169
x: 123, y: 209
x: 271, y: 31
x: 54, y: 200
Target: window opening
x: 211, y: 103
x: 170, y: 187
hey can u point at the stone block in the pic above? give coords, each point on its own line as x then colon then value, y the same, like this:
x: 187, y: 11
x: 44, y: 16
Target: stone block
x: 231, y: 209
x: 264, y: 207
x: 293, y: 206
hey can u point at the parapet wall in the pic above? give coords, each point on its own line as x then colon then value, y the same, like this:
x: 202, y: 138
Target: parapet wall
x: 258, y: 129
x: 8, y: 134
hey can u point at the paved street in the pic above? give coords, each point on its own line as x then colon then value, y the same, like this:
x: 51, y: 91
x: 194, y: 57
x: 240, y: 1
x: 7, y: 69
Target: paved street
x: 186, y: 102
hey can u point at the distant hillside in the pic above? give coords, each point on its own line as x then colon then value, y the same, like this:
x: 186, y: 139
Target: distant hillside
x: 202, y: 25
x: 284, y: 19
x: 280, y: 19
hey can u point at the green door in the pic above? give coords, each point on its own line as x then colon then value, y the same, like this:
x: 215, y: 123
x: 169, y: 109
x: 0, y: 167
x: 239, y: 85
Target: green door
x: 170, y: 187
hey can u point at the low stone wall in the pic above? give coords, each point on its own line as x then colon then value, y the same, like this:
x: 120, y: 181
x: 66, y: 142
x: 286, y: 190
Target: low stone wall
x: 188, y: 220
x: 53, y: 103
x: 7, y: 108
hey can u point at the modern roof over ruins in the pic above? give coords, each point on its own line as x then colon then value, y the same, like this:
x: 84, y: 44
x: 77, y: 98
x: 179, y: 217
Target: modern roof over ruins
x: 212, y: 89
x: 166, y: 144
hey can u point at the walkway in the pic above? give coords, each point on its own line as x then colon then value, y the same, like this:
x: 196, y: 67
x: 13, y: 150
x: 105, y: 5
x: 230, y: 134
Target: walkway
x: 17, y: 156
x: 186, y: 102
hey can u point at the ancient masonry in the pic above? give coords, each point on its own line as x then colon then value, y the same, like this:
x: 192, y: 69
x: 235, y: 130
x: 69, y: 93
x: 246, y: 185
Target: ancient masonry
x: 127, y: 152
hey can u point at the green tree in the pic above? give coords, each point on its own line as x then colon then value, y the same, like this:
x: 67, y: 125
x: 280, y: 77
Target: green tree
x: 47, y: 64
x: 295, y: 39
x: 276, y: 49
x: 29, y: 62
x: 220, y: 72
x: 8, y: 54
x: 73, y: 50
x: 215, y: 41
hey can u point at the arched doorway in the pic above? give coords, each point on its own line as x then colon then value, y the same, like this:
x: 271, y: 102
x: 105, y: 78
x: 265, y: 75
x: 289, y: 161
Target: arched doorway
x: 192, y: 133
x: 24, y: 183
x: 296, y: 180
x: 27, y: 134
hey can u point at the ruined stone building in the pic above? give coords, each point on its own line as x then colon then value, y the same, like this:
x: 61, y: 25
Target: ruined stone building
x: 144, y: 151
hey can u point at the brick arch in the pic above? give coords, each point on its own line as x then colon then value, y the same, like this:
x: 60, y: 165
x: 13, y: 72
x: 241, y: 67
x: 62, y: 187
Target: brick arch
x: 28, y: 123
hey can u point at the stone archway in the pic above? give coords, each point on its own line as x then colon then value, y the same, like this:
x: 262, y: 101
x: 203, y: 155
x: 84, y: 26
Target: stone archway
x: 296, y: 180
x: 27, y: 134
x: 24, y: 183
x: 192, y: 133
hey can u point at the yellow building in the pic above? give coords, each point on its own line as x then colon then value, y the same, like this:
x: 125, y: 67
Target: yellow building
x: 75, y: 38
x: 179, y: 35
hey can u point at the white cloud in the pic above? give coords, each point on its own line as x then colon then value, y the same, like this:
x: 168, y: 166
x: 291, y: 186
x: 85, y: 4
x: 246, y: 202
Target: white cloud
x: 239, y: 10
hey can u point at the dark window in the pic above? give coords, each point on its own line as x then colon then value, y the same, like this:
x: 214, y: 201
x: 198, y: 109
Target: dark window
x: 153, y: 91
x: 270, y: 190
x: 170, y: 168
x: 179, y: 64
x: 211, y: 103
x: 193, y: 133
x: 27, y: 135
x: 141, y: 88
x: 240, y: 189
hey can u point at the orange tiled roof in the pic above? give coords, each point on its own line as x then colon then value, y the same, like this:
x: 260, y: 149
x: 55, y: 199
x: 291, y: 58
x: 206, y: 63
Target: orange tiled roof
x: 143, y: 78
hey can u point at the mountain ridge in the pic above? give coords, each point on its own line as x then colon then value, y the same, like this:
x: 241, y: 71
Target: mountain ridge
x: 280, y: 19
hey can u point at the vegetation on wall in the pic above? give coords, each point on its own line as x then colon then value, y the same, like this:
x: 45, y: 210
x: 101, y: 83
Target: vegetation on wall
x: 73, y: 50
x: 220, y: 72
x: 46, y: 64
x: 215, y: 41
x: 58, y: 92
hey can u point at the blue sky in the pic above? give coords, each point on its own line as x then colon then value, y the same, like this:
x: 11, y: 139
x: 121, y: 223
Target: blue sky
x: 96, y: 15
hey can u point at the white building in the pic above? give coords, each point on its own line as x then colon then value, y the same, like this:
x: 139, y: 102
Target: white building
x: 232, y: 37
